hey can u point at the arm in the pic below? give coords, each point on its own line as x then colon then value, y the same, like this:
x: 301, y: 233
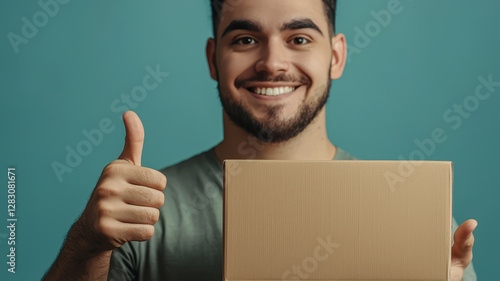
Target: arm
x: 77, y: 261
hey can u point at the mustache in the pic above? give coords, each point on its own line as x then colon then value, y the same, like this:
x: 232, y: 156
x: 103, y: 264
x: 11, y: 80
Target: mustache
x: 265, y: 77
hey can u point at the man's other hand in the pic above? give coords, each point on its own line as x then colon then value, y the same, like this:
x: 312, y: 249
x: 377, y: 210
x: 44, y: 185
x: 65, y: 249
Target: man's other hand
x: 461, y: 252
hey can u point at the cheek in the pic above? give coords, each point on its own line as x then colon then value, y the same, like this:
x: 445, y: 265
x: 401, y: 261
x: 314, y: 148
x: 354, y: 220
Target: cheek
x: 314, y: 65
x: 233, y: 65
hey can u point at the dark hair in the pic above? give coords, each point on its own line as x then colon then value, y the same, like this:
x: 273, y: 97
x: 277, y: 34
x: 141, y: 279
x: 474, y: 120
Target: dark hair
x: 330, y: 8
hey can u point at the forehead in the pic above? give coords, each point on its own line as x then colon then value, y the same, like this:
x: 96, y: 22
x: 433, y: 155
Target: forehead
x: 271, y: 14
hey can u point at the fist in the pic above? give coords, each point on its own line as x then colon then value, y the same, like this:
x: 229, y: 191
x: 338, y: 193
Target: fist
x: 124, y: 204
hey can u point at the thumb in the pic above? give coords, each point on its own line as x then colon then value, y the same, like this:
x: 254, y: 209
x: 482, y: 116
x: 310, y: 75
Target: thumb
x: 134, y: 138
x: 463, y: 242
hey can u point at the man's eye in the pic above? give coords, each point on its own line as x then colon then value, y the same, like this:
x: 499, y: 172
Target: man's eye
x: 300, y: 40
x: 245, y: 41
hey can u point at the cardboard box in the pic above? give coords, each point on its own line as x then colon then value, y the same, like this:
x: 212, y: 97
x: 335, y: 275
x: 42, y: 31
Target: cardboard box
x: 337, y: 220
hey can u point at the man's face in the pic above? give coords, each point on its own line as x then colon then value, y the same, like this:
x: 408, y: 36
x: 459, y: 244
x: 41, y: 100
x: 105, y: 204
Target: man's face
x: 273, y: 62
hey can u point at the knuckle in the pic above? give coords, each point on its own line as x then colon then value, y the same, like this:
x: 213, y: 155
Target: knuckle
x: 103, y: 228
x: 111, y: 169
x: 103, y: 210
x: 106, y: 191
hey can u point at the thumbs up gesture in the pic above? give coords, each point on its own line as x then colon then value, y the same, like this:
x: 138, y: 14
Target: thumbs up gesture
x: 124, y: 204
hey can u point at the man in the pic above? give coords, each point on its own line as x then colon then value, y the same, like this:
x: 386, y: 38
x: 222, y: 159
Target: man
x: 273, y: 61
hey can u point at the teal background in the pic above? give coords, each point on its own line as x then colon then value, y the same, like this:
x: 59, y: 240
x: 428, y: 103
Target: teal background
x: 393, y: 92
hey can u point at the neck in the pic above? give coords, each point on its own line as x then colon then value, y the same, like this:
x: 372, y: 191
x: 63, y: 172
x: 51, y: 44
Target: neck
x: 310, y: 144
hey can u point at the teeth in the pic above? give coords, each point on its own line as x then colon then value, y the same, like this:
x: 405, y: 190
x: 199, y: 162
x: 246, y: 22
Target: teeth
x: 273, y: 91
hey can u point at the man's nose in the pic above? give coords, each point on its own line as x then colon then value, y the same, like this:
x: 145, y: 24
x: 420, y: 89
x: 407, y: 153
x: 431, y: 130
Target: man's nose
x: 274, y: 58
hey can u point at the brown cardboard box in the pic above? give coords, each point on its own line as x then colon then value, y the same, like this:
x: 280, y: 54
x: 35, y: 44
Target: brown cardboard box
x: 337, y: 220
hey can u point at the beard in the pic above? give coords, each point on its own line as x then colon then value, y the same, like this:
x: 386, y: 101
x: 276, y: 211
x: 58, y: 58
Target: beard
x: 273, y: 129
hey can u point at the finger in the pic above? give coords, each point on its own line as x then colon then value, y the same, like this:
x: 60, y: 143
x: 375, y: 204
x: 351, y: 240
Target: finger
x: 464, y: 241
x: 143, y: 196
x: 123, y: 232
x: 134, y: 138
x: 138, y: 232
x: 146, y: 177
x: 136, y: 214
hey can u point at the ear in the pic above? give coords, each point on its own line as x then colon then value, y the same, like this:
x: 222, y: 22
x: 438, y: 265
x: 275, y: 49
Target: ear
x: 339, y: 56
x: 210, y: 53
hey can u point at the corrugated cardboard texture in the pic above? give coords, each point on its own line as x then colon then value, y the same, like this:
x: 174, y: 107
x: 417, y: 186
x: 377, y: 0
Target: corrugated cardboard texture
x: 337, y: 220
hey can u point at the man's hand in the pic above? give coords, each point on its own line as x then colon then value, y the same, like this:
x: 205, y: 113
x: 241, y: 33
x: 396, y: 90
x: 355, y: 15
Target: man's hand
x: 123, y: 207
x: 124, y: 204
x: 461, y: 252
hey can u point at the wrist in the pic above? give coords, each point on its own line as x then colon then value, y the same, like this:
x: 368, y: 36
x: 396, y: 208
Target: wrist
x: 83, y: 240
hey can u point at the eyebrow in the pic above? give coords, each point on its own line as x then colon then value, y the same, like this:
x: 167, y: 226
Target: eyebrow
x: 242, y: 25
x: 300, y: 24
x: 255, y: 27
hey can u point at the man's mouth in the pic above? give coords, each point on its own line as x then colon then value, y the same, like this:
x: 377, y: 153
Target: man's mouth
x: 275, y: 91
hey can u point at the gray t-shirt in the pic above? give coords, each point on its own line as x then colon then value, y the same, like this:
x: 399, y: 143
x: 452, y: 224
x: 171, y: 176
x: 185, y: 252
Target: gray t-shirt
x: 187, y: 244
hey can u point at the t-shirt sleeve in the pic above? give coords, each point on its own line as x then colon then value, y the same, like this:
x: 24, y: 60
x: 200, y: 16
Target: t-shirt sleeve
x: 470, y: 273
x: 122, y: 265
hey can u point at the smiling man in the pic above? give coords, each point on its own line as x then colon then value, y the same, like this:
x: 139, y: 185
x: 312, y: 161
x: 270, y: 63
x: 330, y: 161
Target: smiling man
x: 274, y: 61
